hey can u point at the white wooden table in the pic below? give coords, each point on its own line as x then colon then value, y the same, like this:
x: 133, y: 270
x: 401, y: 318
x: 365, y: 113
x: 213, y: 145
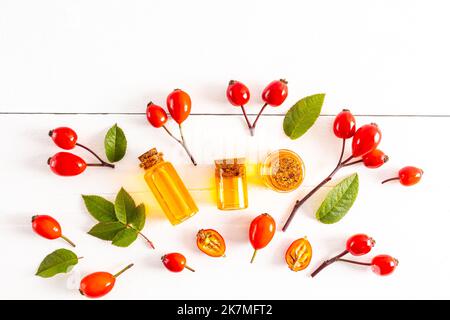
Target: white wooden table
x: 90, y: 64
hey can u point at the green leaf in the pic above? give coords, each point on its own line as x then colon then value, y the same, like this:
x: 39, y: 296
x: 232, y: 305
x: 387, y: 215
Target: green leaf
x: 125, y: 237
x: 124, y: 205
x: 302, y: 115
x: 100, y: 208
x: 106, y: 230
x: 339, y: 200
x: 136, y: 218
x: 115, y: 144
x: 59, y: 261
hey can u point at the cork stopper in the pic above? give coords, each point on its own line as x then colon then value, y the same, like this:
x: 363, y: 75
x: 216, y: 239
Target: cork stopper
x: 230, y: 167
x: 150, y: 158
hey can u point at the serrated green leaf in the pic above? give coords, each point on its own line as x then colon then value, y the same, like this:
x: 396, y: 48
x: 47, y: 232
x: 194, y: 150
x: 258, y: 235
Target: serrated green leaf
x: 302, y: 115
x: 123, y: 205
x: 339, y: 200
x: 115, y: 144
x: 125, y: 237
x: 136, y: 218
x: 100, y: 208
x: 106, y: 230
x: 59, y: 261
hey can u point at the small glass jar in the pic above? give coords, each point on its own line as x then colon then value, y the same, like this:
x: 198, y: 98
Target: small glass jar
x: 231, y: 184
x: 283, y: 170
x: 167, y: 187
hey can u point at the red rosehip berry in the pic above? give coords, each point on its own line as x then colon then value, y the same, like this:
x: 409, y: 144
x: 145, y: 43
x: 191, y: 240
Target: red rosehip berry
x: 64, y: 137
x: 175, y: 262
x: 48, y: 227
x: 275, y: 93
x: 66, y: 164
x: 237, y: 93
x: 365, y: 140
x: 360, y: 244
x: 408, y: 176
x: 383, y: 264
x: 179, y: 105
x: 156, y: 115
x: 375, y: 159
x: 98, y: 284
x: 344, y: 125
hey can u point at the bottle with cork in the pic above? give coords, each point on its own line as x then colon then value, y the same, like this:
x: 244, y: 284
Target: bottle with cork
x: 167, y: 187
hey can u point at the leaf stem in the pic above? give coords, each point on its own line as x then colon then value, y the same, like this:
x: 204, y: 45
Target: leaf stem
x: 247, y: 120
x: 106, y: 164
x: 328, y: 262
x: 252, y: 129
x: 391, y: 179
x: 355, y: 262
x: 123, y: 270
x: 146, y: 239
x: 181, y: 142
x: 300, y: 202
x: 68, y: 241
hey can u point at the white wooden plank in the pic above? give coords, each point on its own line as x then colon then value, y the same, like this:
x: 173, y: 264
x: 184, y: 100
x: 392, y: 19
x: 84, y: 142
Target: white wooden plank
x: 384, y: 57
x: 409, y: 223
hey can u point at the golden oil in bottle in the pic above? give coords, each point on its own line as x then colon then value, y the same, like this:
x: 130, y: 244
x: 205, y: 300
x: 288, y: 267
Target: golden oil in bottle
x: 231, y: 184
x: 167, y: 187
x: 283, y: 170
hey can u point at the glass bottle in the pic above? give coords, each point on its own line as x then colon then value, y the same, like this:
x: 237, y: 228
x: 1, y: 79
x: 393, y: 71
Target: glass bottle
x: 231, y: 184
x: 283, y: 170
x: 167, y: 186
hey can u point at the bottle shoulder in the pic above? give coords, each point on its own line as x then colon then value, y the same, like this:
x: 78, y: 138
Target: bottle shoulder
x: 164, y: 165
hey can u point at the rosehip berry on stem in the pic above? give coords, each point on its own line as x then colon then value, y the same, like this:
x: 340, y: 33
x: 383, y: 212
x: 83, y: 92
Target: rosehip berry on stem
x: 357, y: 245
x: 66, y: 164
x: 273, y: 95
x: 237, y: 93
x: 261, y: 232
x: 360, y: 244
x: 365, y: 140
x: 383, y: 264
x: 48, y: 227
x: 179, y: 105
x: 64, y: 137
x: 375, y: 159
x: 407, y: 176
x: 344, y: 125
x: 175, y: 262
x: 156, y: 115
x: 97, y: 284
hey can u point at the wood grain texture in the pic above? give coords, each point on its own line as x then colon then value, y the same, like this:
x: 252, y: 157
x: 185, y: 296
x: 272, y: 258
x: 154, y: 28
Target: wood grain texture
x: 409, y: 223
x: 383, y: 57
x: 90, y: 64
